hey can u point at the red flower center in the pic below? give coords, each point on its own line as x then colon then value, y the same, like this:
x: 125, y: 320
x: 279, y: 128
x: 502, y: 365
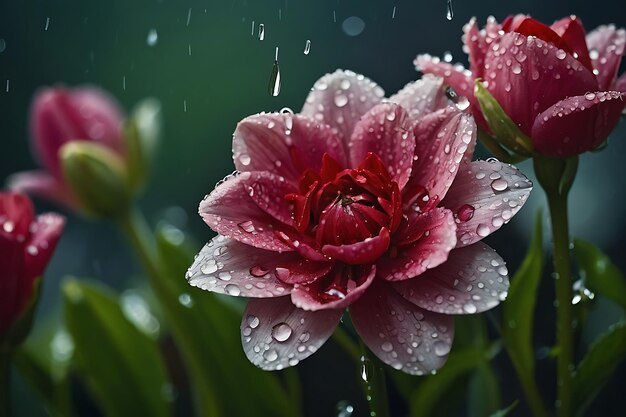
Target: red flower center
x: 337, y: 206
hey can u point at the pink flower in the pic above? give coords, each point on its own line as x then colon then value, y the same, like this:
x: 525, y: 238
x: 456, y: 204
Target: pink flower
x: 364, y: 204
x: 59, y: 116
x: 557, y: 84
x: 26, y: 246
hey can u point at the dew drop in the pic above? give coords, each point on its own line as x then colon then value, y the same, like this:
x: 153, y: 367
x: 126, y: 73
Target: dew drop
x: 341, y: 100
x: 465, y: 212
x: 482, y: 230
x: 499, y: 185
x: 441, y: 348
x: 253, y: 321
x: 244, y: 159
x: 232, y: 289
x: 246, y: 226
x: 257, y: 271
x: 469, y: 308
x: 270, y: 355
x: 281, y: 332
x: 386, y: 347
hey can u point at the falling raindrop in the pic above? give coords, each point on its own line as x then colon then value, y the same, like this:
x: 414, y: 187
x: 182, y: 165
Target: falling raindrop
x: 153, y: 37
x: 273, y: 87
x: 393, y: 13
x: 185, y: 106
x: 189, y: 16
x: 344, y: 409
x: 47, y: 24
x: 280, y: 14
x: 449, y: 11
x: 7, y: 86
x: 334, y: 16
x: 307, y: 47
x: 252, y: 30
x: 3, y: 45
x: 261, y: 31
x: 124, y: 83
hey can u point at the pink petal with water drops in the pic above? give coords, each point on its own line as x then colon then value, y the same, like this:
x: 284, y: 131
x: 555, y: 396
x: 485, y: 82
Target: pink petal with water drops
x: 476, y: 48
x: 276, y: 335
x: 423, y: 241
x: 572, y: 31
x: 620, y: 84
x: 455, y: 76
x: 606, y: 48
x: 228, y: 267
x: 230, y: 211
x: 284, y: 144
x: 527, y: 75
x: 424, y: 96
x: 45, y: 233
x: 386, y: 130
x: 484, y: 196
x: 340, y: 100
x: 577, y: 124
x: 268, y: 191
x: 401, y: 334
x: 443, y: 140
x: 473, y: 279
x: 331, y: 292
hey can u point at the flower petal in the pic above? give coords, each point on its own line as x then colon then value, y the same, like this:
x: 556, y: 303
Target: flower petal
x: 426, y: 95
x: 472, y: 280
x: 323, y: 295
x: 45, y: 234
x: 43, y: 185
x: 340, y: 100
x: 401, y: 334
x: 284, y: 144
x: 577, y: 124
x: 572, y: 31
x: 484, y: 196
x: 527, y: 75
x: 16, y: 215
x: 11, y: 255
x: 422, y: 244
x: 364, y: 252
x: 226, y: 266
x: 606, y: 46
x: 230, y: 211
x: 385, y: 130
x: 275, y: 334
x: 443, y: 140
x: 455, y: 76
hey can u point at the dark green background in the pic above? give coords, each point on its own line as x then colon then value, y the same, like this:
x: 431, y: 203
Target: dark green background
x: 225, y: 79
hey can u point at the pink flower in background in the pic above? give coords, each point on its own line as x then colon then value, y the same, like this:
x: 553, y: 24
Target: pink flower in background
x: 59, y: 115
x: 359, y: 203
x: 558, y: 84
x: 26, y: 246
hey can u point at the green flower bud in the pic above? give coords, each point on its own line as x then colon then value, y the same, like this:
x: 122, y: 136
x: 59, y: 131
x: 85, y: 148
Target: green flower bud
x: 141, y: 135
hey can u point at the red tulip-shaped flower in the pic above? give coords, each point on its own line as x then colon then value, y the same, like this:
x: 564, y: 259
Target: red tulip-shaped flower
x: 364, y: 204
x: 558, y: 84
x: 26, y: 246
x: 59, y: 116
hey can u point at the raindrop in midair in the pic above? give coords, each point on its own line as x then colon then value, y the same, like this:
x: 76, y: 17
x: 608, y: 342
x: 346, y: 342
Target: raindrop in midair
x: 252, y: 30
x: 153, y: 37
x: 47, y: 24
x: 189, y: 16
x: 261, y: 31
x: 393, y: 13
x: 274, y: 84
x: 449, y: 11
x: 307, y: 47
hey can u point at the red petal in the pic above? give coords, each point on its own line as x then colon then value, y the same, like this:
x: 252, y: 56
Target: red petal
x: 45, y: 234
x: 44, y: 185
x: 284, y: 144
x: 16, y: 215
x: 340, y: 100
x: 12, y: 279
x: 494, y: 193
x: 365, y: 252
x: 472, y: 280
x: 572, y: 31
x: 276, y: 335
x: 385, y: 131
x: 423, y: 243
x: 401, y: 334
x: 577, y: 124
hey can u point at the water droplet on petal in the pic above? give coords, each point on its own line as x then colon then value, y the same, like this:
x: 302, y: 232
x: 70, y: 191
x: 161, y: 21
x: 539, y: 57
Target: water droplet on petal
x: 465, y: 212
x: 253, y: 321
x: 482, y: 230
x: 341, y: 100
x: 270, y: 355
x: 441, y: 348
x: 232, y: 289
x: 499, y: 185
x: 281, y: 332
x: 469, y: 308
x: 386, y: 347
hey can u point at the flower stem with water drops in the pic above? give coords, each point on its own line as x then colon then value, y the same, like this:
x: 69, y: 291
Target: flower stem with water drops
x: 374, y: 384
x: 556, y: 177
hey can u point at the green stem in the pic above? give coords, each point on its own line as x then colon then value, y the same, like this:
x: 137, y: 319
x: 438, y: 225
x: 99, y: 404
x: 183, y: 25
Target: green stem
x: 531, y: 392
x: 556, y: 177
x: 374, y: 384
x: 5, y: 385
x: 342, y: 339
x: 563, y: 284
x: 134, y: 226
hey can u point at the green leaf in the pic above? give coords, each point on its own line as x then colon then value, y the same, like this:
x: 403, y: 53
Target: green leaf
x: 598, y: 272
x: 121, y: 364
x: 503, y: 128
x: 603, y: 356
x: 433, y: 388
x: 206, y: 329
x: 506, y: 411
x: 484, y: 392
x: 518, y: 310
